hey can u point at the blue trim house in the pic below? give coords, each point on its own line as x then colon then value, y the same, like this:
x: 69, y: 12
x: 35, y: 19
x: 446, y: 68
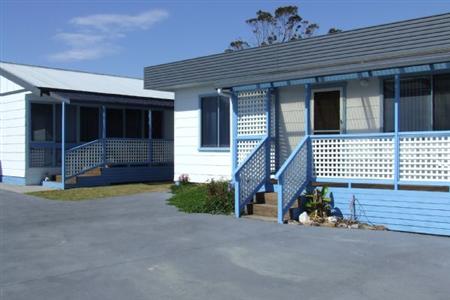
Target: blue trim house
x: 363, y: 111
x: 67, y: 128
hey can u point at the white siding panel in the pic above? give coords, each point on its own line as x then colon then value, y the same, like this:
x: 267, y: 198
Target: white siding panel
x: 291, y: 126
x: 201, y: 166
x: 7, y: 85
x: 12, y: 131
x: 363, y: 106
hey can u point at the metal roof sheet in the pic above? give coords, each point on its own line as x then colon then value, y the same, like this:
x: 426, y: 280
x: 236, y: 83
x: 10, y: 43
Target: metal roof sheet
x: 59, y: 79
x: 417, y: 41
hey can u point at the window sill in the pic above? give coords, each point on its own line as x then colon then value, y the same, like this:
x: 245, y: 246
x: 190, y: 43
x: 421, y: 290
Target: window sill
x: 213, y: 149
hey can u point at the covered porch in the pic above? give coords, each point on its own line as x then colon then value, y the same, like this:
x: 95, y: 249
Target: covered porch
x: 382, y: 132
x: 87, y: 139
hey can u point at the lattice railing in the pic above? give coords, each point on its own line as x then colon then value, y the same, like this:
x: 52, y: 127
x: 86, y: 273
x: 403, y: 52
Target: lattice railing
x: 127, y: 151
x: 84, y: 157
x: 251, y: 175
x: 425, y: 157
x: 292, y: 177
x: 162, y: 151
x: 357, y: 157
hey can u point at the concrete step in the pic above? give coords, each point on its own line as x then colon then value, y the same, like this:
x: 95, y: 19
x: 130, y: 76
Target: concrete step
x: 260, y: 218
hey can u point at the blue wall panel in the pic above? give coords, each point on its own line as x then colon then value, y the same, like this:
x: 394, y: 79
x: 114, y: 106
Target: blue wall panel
x: 413, y: 211
x: 124, y: 175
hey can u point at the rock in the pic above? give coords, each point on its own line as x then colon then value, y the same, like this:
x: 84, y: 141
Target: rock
x: 304, y: 218
x: 328, y: 224
x: 353, y: 226
x: 342, y: 225
x: 332, y: 219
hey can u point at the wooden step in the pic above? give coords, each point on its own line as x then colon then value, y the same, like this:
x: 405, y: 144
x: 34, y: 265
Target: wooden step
x: 92, y: 172
x: 267, y: 198
x: 73, y: 180
x: 266, y: 205
x: 260, y: 218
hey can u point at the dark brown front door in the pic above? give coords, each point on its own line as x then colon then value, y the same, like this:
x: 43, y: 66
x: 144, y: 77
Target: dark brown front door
x: 327, y: 118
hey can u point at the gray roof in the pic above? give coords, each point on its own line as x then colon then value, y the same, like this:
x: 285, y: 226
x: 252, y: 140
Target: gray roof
x: 70, y: 80
x: 412, y: 42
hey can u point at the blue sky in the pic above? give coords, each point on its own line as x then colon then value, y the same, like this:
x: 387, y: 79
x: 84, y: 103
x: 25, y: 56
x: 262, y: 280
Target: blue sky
x: 121, y: 37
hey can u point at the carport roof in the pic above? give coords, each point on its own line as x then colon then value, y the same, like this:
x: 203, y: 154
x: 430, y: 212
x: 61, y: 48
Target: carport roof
x: 44, y: 79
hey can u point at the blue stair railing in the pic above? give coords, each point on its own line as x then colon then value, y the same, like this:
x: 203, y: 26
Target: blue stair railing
x: 251, y: 175
x: 293, y: 177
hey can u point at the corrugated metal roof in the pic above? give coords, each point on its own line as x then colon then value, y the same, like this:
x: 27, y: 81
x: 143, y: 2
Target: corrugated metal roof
x: 50, y: 78
x: 417, y: 41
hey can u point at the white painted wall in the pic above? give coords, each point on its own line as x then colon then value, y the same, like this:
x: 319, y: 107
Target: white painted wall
x: 364, y: 104
x: 12, y: 129
x: 291, y: 125
x: 199, y: 165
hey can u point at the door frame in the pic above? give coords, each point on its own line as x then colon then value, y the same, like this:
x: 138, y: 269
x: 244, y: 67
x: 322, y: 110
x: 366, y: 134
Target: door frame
x: 342, y: 105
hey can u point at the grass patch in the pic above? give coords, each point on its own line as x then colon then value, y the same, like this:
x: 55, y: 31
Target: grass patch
x: 78, y: 194
x: 214, y: 197
x: 190, y: 198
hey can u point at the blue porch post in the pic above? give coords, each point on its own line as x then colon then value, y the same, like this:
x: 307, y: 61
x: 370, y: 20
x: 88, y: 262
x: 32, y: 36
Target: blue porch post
x: 396, y: 130
x: 308, y: 130
x: 234, y: 128
x: 268, y: 132
x: 149, y: 136
x: 104, y: 133
x: 63, y: 144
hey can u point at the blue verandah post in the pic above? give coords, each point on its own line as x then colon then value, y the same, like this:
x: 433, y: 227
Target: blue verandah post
x: 63, y: 144
x: 149, y: 136
x: 396, y: 130
x: 234, y: 102
x: 104, y: 133
x: 269, y: 141
x: 308, y: 130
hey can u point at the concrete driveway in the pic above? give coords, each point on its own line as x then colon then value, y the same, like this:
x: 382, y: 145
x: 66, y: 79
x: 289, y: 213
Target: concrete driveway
x: 137, y: 247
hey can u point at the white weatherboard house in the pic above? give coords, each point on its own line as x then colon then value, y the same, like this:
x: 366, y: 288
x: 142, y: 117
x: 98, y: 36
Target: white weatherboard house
x: 82, y: 129
x: 365, y: 112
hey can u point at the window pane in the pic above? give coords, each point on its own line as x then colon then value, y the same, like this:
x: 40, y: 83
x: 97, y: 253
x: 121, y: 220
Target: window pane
x: 41, y: 122
x: 133, y: 123
x: 224, y: 119
x: 71, y: 123
x: 209, y: 118
x: 157, y: 124
x: 89, y: 126
x: 442, y: 102
x: 415, y: 105
x: 114, y: 123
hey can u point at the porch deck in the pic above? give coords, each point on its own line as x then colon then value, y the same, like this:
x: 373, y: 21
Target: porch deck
x: 400, y: 179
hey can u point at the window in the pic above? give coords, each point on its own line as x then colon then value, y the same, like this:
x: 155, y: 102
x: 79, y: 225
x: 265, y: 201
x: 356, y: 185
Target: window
x: 442, y: 102
x: 133, y: 128
x: 89, y: 124
x: 41, y: 122
x: 114, y: 123
x: 424, y: 103
x: 215, y: 122
x: 71, y: 123
x: 415, y: 105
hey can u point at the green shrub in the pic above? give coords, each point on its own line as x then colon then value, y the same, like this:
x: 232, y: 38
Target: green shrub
x: 215, y: 197
x: 219, y: 198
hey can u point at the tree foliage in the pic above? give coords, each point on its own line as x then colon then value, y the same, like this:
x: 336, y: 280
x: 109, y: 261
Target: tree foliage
x: 284, y: 25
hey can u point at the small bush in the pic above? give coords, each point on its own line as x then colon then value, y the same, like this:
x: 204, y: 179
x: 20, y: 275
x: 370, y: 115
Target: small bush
x: 219, y: 197
x: 215, y: 197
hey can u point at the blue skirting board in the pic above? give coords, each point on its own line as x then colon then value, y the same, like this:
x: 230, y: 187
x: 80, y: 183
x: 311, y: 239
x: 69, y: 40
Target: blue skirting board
x: 412, y: 211
x: 126, y: 175
x: 13, y: 180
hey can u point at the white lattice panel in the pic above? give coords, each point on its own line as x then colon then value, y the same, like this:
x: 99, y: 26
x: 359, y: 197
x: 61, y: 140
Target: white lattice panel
x: 251, y: 112
x: 83, y: 158
x: 40, y: 157
x: 244, y: 148
x: 356, y: 158
x: 272, y: 156
x: 162, y: 151
x: 127, y: 151
x: 425, y: 158
x: 294, y: 176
